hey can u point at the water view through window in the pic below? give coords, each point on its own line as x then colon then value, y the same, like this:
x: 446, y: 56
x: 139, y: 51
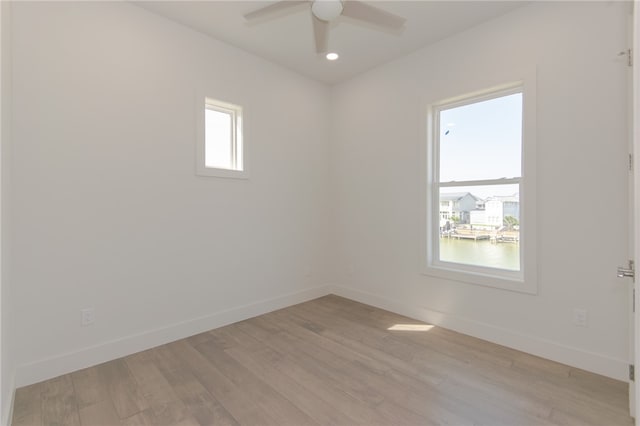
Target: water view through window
x: 479, y: 183
x: 479, y: 225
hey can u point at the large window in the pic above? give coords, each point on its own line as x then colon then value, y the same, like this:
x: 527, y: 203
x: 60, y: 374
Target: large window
x: 477, y: 228
x: 220, y: 150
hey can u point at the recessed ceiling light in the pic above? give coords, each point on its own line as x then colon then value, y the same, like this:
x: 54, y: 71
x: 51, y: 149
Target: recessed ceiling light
x: 332, y: 56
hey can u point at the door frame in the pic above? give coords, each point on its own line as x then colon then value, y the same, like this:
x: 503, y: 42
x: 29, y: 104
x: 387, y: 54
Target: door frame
x: 635, y: 134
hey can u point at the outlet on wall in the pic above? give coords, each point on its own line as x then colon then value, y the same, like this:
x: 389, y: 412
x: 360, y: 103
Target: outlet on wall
x: 580, y: 317
x: 87, y: 317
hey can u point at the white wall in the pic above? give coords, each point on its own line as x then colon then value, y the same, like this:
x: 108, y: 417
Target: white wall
x: 108, y: 212
x: 7, y: 359
x: 582, y: 155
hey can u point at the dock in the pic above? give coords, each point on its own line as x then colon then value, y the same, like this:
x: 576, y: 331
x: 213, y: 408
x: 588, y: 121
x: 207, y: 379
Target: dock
x: 468, y: 234
x: 506, y: 237
x: 482, y: 234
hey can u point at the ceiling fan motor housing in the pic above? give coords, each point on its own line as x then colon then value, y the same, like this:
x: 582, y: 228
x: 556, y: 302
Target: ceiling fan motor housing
x: 327, y: 10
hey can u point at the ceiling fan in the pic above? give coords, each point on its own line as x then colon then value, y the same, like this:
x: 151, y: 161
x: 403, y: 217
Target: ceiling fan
x: 325, y: 11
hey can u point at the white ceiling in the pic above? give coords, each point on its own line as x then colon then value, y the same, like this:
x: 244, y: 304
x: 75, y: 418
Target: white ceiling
x: 287, y: 38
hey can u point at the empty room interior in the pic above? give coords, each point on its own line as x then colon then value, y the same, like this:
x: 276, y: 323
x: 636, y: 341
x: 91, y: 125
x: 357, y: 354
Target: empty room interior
x: 318, y: 212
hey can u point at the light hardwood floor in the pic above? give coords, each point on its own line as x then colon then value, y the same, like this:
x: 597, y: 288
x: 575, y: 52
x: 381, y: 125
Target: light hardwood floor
x: 330, y: 361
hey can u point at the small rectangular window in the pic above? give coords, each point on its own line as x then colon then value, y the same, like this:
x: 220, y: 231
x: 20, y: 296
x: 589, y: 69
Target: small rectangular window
x: 220, y: 150
x: 475, y: 223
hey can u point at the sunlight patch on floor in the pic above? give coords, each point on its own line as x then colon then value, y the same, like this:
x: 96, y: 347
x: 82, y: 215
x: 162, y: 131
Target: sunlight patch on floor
x: 411, y: 327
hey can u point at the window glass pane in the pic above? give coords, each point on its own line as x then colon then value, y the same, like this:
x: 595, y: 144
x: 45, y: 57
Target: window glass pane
x: 480, y: 226
x: 218, y: 139
x: 482, y: 140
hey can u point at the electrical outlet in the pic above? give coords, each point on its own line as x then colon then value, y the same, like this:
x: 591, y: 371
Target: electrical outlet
x: 87, y: 317
x: 580, y: 317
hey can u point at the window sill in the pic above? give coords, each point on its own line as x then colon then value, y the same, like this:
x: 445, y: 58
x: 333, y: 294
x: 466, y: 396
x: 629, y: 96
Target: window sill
x: 222, y: 173
x: 508, y: 281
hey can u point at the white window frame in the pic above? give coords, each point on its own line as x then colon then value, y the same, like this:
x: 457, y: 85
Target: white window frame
x: 525, y: 280
x: 239, y: 168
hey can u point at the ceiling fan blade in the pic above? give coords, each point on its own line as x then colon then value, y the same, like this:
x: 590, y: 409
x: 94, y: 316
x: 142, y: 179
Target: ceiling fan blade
x: 272, y: 9
x: 321, y: 34
x: 363, y: 12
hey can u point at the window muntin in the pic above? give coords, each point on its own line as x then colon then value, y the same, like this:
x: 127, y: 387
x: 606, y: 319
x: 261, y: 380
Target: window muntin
x: 476, y: 185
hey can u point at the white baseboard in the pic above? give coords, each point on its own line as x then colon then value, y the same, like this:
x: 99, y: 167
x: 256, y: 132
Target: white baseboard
x: 66, y: 363
x: 596, y: 363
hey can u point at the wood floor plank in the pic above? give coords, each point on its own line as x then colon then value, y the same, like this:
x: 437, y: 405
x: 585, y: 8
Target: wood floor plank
x: 27, y: 407
x: 89, y: 386
x: 59, y: 406
x: 330, y: 361
x: 101, y: 413
x: 250, y: 354
x: 199, y: 402
x: 325, y: 365
x: 164, y: 414
x: 281, y: 409
x: 123, y: 390
x: 310, y: 375
x: 236, y: 401
x: 153, y: 385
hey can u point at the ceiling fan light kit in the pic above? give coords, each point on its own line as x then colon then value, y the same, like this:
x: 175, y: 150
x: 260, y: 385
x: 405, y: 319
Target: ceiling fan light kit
x: 325, y: 11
